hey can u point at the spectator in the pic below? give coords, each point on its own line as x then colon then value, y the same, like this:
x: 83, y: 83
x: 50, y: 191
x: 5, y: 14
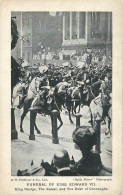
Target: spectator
x: 62, y: 163
x: 90, y: 163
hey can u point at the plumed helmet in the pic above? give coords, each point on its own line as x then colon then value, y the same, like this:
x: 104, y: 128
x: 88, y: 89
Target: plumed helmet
x: 87, y: 81
x: 43, y: 69
x: 80, y: 82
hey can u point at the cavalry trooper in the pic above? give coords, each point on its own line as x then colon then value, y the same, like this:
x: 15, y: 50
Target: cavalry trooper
x: 38, y: 82
x: 106, y: 86
x: 38, y: 86
x: 106, y: 90
x: 25, y: 77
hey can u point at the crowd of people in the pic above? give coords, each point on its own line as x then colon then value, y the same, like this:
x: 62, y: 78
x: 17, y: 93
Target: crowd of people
x: 96, y: 54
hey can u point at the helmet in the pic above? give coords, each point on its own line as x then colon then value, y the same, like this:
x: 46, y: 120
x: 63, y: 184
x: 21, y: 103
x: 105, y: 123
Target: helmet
x: 43, y: 69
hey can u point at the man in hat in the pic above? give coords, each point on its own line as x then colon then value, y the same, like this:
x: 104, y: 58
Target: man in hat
x: 85, y: 138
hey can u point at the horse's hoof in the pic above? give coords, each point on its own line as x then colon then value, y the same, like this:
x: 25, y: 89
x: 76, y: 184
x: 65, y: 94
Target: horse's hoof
x: 89, y: 121
x: 21, y: 130
x: 107, y: 132
x: 71, y: 122
x: 38, y: 132
x: 103, y: 123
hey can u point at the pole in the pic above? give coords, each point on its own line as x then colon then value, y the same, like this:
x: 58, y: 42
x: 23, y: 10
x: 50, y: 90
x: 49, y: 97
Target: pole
x: 78, y: 116
x: 55, y: 139
x: 70, y: 25
x: 21, y: 37
x: 77, y: 25
x: 32, y: 123
x: 98, y: 132
x: 63, y: 28
x: 14, y: 133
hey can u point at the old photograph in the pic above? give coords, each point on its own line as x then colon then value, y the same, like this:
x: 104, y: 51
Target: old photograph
x: 61, y: 93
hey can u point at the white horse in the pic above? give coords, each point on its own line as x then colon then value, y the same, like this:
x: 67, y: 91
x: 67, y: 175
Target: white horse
x: 16, y: 94
x: 100, y: 106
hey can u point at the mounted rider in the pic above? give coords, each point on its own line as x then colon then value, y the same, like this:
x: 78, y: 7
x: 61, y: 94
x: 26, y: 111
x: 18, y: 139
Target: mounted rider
x: 25, y: 77
x: 39, y: 88
x: 35, y: 88
x: 38, y: 82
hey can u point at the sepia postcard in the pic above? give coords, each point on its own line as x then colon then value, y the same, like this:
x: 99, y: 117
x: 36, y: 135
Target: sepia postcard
x: 61, y: 97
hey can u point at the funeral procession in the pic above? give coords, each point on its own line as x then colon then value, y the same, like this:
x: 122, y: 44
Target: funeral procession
x: 61, y: 93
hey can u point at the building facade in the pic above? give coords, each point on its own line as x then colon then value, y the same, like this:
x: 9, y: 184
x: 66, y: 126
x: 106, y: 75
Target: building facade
x: 78, y: 30
x: 87, y: 29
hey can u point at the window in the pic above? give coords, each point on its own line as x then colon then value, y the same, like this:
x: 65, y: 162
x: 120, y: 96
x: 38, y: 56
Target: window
x: 67, y: 25
x: 28, y: 56
x: 95, y: 25
x: 74, y: 25
x: 82, y: 18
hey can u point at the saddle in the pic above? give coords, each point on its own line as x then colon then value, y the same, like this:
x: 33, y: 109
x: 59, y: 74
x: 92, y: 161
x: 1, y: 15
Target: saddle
x: 37, y: 103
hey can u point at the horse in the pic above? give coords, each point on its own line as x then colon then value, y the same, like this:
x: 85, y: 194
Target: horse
x: 81, y: 95
x: 68, y: 96
x: 101, y: 105
x: 60, y: 92
x: 39, y: 104
x: 20, y: 90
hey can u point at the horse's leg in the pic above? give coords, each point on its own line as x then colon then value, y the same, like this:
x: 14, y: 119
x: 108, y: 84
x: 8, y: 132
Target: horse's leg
x: 21, y: 102
x: 91, y: 121
x: 26, y: 106
x: 104, y: 116
x: 25, y: 111
x: 60, y: 120
x: 36, y: 128
x: 79, y: 106
x: 69, y: 109
x: 108, y: 129
x: 74, y: 107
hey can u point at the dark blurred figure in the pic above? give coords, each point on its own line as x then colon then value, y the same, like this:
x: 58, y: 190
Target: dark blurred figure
x: 62, y: 163
x: 90, y: 163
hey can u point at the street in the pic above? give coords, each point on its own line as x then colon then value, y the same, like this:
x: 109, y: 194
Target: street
x: 25, y: 150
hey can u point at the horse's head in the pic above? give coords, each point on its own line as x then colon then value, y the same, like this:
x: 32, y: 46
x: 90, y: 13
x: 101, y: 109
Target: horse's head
x: 105, y: 99
x: 50, y: 96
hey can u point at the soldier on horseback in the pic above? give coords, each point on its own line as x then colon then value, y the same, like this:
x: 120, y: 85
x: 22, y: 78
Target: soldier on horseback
x: 36, y: 85
x: 37, y: 88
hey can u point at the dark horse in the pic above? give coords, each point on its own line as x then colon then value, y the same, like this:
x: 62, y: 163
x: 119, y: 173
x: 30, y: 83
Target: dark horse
x: 73, y: 97
x: 42, y: 104
x: 68, y: 96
